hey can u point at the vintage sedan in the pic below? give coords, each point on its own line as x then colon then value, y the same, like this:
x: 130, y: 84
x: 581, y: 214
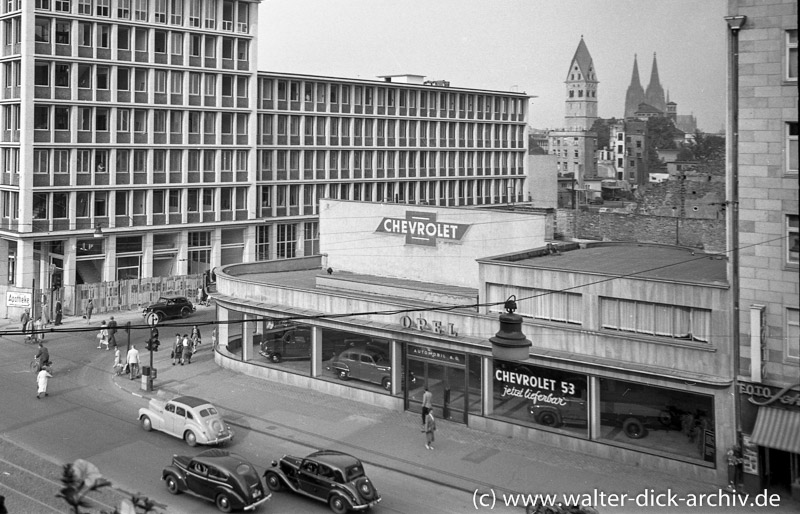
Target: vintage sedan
x: 333, y: 477
x: 168, y: 307
x: 189, y: 418
x: 222, y: 477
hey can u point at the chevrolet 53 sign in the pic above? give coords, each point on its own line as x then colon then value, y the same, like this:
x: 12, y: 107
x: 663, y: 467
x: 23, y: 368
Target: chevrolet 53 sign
x: 421, y: 228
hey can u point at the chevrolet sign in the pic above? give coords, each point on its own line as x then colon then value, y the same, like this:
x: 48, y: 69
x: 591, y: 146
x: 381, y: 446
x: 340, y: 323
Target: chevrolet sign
x: 421, y: 228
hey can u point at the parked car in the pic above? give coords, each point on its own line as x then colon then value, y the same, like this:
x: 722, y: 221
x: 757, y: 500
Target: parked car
x: 286, y: 342
x: 222, y: 477
x: 189, y: 418
x: 329, y: 476
x: 168, y: 307
x: 364, y: 363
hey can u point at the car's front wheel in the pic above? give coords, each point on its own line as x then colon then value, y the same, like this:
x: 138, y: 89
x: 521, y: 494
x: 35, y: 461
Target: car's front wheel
x: 343, y: 374
x: 172, y: 484
x: 338, y: 504
x: 274, y: 482
x: 223, y: 502
x: 386, y: 383
x: 147, y: 424
x: 634, y: 428
x: 153, y: 318
x: 190, y: 438
x: 548, y: 419
x: 276, y: 357
x: 185, y: 312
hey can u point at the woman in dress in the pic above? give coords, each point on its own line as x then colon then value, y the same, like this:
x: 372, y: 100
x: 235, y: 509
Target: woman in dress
x: 103, y: 335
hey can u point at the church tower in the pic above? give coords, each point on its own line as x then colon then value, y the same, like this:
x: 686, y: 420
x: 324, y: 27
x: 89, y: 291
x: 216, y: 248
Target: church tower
x: 655, y: 93
x: 635, y: 94
x: 581, y: 104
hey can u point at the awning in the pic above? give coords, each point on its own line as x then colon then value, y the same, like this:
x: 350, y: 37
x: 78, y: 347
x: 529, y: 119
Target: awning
x: 778, y: 429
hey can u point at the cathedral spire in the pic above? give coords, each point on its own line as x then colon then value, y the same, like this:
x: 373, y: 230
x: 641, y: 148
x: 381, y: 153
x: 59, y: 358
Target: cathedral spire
x: 655, y: 93
x: 635, y: 93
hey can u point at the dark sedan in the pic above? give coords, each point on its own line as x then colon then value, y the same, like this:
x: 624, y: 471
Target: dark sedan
x: 168, y: 307
x: 220, y: 476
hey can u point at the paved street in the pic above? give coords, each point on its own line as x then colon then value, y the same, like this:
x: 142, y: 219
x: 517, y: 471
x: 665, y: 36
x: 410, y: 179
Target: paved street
x: 464, y: 459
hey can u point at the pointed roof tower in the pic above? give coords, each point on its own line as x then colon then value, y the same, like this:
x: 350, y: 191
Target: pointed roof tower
x: 635, y: 94
x: 655, y: 93
x: 581, y: 82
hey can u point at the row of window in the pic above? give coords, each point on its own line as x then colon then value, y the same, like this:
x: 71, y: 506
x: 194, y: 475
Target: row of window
x: 95, y: 204
x: 140, y: 121
x: 99, y: 36
x: 228, y: 15
x: 140, y: 80
x: 60, y: 160
x: 428, y: 132
x: 381, y: 96
x: 434, y: 162
x: 662, y: 320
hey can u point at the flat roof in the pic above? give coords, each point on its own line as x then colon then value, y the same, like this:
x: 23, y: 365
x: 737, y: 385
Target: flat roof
x: 644, y: 261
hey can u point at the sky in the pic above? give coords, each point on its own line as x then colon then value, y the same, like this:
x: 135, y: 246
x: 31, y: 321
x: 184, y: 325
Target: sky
x: 509, y: 45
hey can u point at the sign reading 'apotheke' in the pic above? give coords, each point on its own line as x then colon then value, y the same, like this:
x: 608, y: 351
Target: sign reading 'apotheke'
x: 421, y: 228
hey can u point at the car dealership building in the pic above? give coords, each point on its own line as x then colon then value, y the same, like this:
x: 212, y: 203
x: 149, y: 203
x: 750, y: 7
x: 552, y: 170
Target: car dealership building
x: 630, y: 357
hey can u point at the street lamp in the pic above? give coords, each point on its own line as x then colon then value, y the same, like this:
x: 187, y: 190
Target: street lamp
x: 510, y: 343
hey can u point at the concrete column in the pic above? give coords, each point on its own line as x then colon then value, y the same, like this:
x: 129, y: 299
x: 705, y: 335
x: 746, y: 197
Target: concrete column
x: 316, y: 352
x: 487, y: 396
x: 396, y: 358
x: 593, y: 397
x: 146, y: 270
x: 26, y: 270
x: 222, y: 328
x: 4, y: 243
x: 110, y: 262
x: 247, y: 337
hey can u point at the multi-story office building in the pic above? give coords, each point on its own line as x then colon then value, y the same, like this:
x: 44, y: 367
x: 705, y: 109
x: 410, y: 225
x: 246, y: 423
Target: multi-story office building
x: 139, y: 140
x: 763, y: 96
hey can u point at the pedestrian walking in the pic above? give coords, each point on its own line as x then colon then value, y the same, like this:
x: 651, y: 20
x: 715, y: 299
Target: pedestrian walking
x: 59, y: 313
x: 102, y: 336
x: 196, y: 337
x: 112, y: 332
x: 24, y: 318
x: 89, y: 310
x: 132, y: 360
x: 38, y: 328
x: 41, y: 380
x: 427, y: 404
x: 430, y: 428
x: 177, y: 350
x: 45, y: 313
x: 187, y: 349
x: 118, y: 366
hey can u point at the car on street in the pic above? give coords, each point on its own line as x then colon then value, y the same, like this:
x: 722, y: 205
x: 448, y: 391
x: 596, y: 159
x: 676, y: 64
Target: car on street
x: 219, y: 476
x: 335, y: 478
x: 364, y: 363
x: 167, y: 307
x: 192, y: 419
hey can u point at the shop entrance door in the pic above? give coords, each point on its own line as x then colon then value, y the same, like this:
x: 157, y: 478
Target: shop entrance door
x: 447, y: 384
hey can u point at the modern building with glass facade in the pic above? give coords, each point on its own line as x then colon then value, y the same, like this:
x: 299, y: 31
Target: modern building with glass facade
x: 139, y: 140
x: 629, y: 358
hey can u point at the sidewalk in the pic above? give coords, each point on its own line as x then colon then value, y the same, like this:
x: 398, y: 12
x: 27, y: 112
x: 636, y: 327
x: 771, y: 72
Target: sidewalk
x: 464, y: 458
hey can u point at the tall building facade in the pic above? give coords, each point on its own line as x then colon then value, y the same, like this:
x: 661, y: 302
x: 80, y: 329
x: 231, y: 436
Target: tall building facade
x: 766, y: 160
x: 139, y: 140
x: 575, y: 144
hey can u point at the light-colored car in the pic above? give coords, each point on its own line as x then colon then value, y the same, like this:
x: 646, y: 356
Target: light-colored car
x: 189, y: 418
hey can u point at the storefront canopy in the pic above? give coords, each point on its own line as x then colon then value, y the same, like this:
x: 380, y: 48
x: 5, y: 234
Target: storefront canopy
x: 778, y: 429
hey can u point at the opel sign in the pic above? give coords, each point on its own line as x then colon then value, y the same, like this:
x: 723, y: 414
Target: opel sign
x: 422, y: 228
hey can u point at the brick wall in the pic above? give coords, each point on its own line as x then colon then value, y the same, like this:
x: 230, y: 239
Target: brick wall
x: 703, y: 234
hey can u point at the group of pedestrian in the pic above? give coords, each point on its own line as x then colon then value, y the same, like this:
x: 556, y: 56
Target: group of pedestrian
x: 185, y: 346
x: 107, y: 336
x: 32, y: 329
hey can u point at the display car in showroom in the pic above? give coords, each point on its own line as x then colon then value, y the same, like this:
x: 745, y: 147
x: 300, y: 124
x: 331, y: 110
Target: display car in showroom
x: 167, y: 307
x: 219, y: 476
x: 335, y: 478
x: 186, y: 417
x: 286, y: 342
x: 364, y: 363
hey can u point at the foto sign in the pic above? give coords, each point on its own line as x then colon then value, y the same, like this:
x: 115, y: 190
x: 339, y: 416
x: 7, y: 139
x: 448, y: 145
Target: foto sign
x: 422, y: 228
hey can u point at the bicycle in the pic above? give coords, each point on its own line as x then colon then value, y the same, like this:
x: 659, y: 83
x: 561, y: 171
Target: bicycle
x: 35, y: 368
